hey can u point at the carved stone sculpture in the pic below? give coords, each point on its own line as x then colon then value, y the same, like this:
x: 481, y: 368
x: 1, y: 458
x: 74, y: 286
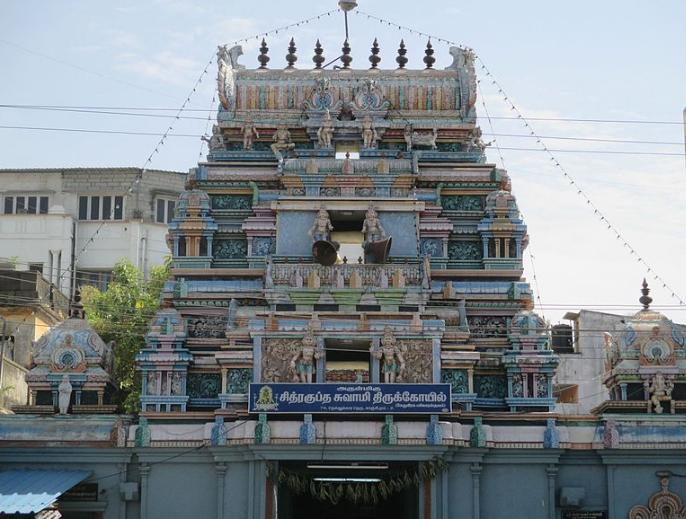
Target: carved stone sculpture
x: 282, y: 140
x: 660, y: 390
x: 249, y: 131
x: 227, y: 61
x: 371, y: 227
x: 64, y: 394
x: 321, y: 228
x: 369, y: 135
x: 303, y: 361
x: 413, y: 138
x: 325, y: 131
x: 393, y: 364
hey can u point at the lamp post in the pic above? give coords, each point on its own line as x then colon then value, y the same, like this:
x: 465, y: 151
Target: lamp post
x: 347, y: 5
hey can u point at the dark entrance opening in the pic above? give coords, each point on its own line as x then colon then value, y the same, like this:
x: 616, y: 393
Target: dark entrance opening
x: 399, y: 505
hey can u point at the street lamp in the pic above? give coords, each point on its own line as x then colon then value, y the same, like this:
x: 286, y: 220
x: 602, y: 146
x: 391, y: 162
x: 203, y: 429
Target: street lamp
x: 347, y: 5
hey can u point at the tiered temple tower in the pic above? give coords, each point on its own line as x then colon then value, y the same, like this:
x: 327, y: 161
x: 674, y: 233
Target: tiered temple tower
x: 346, y: 227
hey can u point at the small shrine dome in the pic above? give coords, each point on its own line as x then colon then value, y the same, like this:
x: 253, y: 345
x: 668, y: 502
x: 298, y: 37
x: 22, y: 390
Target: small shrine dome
x: 501, y: 204
x: 193, y: 201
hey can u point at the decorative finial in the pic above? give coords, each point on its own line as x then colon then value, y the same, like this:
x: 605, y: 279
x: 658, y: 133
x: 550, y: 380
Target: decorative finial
x: 291, y: 58
x: 429, y: 58
x: 346, y: 58
x: 263, y: 58
x: 374, y: 59
x: 75, y: 307
x: 645, y: 299
x: 401, y: 60
x: 318, y: 57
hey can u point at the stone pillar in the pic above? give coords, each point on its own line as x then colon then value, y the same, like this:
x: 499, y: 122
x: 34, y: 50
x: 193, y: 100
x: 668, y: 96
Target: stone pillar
x: 101, y: 395
x: 144, y: 471
x: 476, y: 490
x: 225, y: 372
x: 221, y: 475
x: 375, y: 375
x: 552, y: 473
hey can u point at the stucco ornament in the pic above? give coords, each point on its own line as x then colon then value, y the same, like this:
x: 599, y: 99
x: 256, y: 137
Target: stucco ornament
x: 64, y: 391
x: 325, y: 131
x: 662, y: 505
x: 227, y: 61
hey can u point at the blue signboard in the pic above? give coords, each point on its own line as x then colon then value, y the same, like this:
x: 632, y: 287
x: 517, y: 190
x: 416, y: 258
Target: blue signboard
x: 350, y: 398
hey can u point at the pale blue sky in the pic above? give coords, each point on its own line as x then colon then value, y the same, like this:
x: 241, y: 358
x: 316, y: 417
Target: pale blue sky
x: 581, y: 60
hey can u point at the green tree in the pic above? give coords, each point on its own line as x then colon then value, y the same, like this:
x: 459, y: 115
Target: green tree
x: 122, y: 314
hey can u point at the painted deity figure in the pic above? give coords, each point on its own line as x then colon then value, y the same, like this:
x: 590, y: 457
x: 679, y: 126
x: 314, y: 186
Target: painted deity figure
x: 393, y: 363
x: 325, y: 131
x: 64, y: 391
x: 660, y: 389
x: 369, y: 135
x: 303, y: 361
x: 249, y: 132
x: 321, y: 228
x: 371, y: 228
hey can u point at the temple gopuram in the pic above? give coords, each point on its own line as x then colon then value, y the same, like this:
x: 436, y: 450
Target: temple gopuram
x: 347, y: 333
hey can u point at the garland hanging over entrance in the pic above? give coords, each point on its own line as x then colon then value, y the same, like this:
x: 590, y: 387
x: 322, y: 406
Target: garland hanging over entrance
x: 357, y: 491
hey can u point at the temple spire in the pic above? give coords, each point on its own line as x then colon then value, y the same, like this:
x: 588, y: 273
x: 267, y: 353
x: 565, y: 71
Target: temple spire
x: 645, y: 299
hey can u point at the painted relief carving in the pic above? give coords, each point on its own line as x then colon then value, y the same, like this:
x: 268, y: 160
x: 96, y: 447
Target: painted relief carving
x: 656, y: 351
x: 238, y: 380
x: 541, y: 386
x: 517, y: 385
x: 457, y: 378
x: 418, y: 357
x: 431, y: 247
x: 207, y: 326
x: 276, y: 360
x: 463, y: 250
x: 463, y: 203
x: 661, y: 505
x: 204, y: 385
x: 68, y: 357
x: 263, y: 246
x: 490, y: 386
x: 368, y: 97
x: 230, y: 249
x: 238, y: 202
x: 486, y: 326
x: 282, y: 141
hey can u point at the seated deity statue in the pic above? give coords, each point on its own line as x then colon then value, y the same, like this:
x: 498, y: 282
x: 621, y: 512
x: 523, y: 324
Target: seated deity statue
x: 371, y: 228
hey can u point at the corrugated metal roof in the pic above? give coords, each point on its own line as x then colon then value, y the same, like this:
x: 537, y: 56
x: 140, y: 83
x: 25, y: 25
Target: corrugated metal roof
x: 27, y: 491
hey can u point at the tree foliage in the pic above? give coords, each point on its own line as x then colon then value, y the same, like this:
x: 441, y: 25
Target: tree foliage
x: 122, y: 314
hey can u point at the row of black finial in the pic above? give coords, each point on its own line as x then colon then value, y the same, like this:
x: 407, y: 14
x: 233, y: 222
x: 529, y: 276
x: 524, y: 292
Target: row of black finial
x: 345, y: 56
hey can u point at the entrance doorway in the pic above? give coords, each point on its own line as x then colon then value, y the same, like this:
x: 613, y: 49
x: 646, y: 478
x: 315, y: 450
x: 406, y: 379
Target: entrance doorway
x: 399, y: 505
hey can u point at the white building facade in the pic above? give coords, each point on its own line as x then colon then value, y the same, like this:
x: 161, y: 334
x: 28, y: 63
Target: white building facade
x: 74, y: 224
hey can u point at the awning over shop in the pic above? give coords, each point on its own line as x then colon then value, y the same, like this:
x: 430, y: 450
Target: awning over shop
x: 30, y: 491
